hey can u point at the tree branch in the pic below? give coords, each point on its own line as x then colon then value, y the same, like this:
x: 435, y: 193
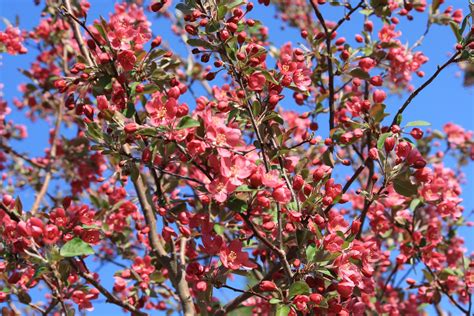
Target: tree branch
x: 327, y: 36
x: 177, y: 279
x: 279, y: 252
x: 110, y: 297
x: 77, y: 33
x: 52, y: 157
x: 7, y: 149
x: 236, y: 302
x: 347, y: 16
x: 423, y: 86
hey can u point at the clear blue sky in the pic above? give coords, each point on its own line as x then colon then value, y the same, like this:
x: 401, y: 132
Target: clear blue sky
x: 443, y: 101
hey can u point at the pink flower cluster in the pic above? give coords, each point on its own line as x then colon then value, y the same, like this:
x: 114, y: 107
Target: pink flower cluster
x: 11, y: 41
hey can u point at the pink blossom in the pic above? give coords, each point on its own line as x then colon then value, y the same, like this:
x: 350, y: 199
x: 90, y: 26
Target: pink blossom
x: 232, y: 257
x: 126, y: 59
x: 220, y: 189
x: 256, y: 81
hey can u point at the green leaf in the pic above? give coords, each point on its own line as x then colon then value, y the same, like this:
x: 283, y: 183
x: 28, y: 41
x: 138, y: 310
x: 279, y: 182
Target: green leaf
x: 381, y: 140
x: 18, y: 205
x: 219, y: 229
x: 184, y: 8
x: 359, y: 73
x: 242, y: 311
x: 237, y: 205
x: 221, y: 12
x: 274, y: 301
x: 464, y: 22
x: 403, y: 186
x: 269, y: 76
x: 377, y: 112
x: 282, y: 310
x: 24, y: 297
x: 310, y: 253
x: 427, y: 275
x: 414, y: 204
x: 197, y: 42
x: 94, y: 132
x: 76, y: 247
x: 212, y: 26
x: 328, y: 158
x: 148, y: 131
x: 456, y: 30
x: 244, y: 188
x: 418, y: 123
x: 187, y: 122
x: 158, y: 277
x: 399, y: 119
x: 101, y: 30
x: 366, y: 12
x: 298, y: 288
x: 234, y: 4
x: 275, y: 117
x: 130, y: 110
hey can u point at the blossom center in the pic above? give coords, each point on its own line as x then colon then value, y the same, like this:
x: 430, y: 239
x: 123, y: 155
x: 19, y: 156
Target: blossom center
x: 232, y: 256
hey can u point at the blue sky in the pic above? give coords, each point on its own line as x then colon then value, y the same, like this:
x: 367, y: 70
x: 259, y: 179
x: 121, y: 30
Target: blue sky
x: 445, y: 100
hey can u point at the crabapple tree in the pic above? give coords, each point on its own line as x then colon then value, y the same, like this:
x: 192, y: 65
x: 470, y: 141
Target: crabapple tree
x: 273, y: 173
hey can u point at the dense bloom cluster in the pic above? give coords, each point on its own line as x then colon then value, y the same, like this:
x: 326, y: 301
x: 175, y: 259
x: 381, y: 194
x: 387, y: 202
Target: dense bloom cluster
x: 402, y: 61
x: 11, y: 41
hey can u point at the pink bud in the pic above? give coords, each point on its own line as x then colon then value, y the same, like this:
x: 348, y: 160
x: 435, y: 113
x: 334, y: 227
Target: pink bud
x: 376, y: 81
x: 389, y: 144
x: 366, y: 64
x: 379, y: 96
x: 416, y: 133
x: 321, y: 172
x: 267, y: 286
x: 298, y: 182
x: 345, y: 288
x: 130, y: 128
x: 374, y: 153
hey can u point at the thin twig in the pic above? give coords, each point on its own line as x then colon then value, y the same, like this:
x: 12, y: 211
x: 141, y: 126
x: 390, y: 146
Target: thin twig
x: 327, y: 35
x: 384, y: 288
x: 236, y: 302
x: 177, y: 278
x: 279, y: 252
x: 423, y: 86
x: 443, y: 289
x: 52, y: 158
x: 347, y: 16
x: 363, y: 215
x: 77, y: 33
x: 51, y: 306
x: 110, y: 297
x: 7, y: 149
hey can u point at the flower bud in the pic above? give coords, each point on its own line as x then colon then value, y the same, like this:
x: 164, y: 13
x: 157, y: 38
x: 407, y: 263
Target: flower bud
x: 379, y: 96
x: 321, y: 172
x: 146, y: 156
x: 416, y: 133
x: 389, y: 144
x: 373, y: 153
x: 156, y: 42
x: 267, y: 286
x: 131, y: 128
